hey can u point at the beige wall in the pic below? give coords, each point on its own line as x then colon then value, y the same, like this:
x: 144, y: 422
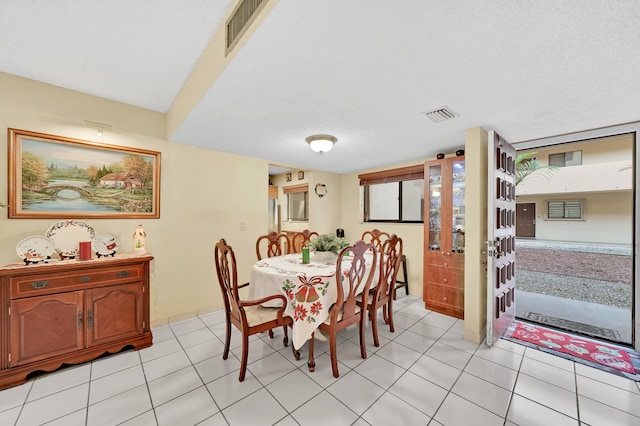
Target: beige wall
x: 475, y: 276
x: 324, y: 212
x: 412, y: 234
x: 198, y: 206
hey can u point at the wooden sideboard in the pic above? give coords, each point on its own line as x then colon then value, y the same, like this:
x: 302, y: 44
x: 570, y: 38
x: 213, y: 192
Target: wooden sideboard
x: 71, y: 311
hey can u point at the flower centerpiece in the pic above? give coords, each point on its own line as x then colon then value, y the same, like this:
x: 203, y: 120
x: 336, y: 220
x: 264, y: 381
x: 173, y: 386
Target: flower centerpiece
x: 326, y: 246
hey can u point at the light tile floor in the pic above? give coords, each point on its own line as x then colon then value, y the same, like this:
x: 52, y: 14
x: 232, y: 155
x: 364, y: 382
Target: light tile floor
x: 423, y: 374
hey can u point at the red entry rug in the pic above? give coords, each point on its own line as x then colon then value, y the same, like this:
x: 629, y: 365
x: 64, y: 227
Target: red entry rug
x: 615, y: 359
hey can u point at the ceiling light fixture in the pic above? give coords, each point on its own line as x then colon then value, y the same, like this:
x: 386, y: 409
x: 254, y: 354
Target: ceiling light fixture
x: 321, y: 143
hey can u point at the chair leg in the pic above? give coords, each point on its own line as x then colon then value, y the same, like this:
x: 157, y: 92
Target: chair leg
x: 373, y: 313
x: 334, y: 349
x: 245, y: 356
x: 285, y: 341
x: 363, y: 341
x: 271, y: 333
x: 227, y: 341
x: 390, y: 314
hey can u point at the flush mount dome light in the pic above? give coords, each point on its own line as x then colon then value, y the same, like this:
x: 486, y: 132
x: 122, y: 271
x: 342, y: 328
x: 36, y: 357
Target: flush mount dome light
x: 321, y: 143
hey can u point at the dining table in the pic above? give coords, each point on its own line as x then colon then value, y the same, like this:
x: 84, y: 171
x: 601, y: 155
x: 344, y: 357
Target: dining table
x: 310, y: 288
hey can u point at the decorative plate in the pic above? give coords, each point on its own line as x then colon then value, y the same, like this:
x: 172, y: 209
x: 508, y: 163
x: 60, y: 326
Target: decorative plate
x: 67, y: 234
x: 35, y: 248
x: 105, y: 244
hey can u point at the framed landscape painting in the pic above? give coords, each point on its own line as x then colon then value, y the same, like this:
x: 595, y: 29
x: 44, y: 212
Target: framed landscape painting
x: 58, y: 177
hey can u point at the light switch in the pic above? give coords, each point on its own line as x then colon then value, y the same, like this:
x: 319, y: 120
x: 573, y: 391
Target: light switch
x: 243, y: 226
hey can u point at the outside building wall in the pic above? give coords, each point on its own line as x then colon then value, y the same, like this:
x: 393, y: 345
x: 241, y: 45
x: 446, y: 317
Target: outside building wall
x: 604, y: 183
x: 608, y: 219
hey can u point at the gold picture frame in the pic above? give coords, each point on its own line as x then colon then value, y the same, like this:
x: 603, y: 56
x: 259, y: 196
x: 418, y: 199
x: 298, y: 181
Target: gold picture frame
x: 59, y: 177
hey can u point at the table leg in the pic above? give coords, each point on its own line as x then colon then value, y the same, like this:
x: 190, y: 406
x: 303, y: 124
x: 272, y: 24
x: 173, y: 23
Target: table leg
x: 311, y: 363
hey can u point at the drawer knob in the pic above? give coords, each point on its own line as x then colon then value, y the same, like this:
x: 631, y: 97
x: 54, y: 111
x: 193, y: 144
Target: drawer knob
x: 85, y: 279
x: 444, y: 280
x: 122, y: 274
x: 445, y: 264
x: 444, y: 298
x: 40, y: 284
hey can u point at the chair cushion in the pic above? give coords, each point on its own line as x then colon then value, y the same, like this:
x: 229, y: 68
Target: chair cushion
x: 369, y: 298
x: 259, y: 314
x: 328, y: 320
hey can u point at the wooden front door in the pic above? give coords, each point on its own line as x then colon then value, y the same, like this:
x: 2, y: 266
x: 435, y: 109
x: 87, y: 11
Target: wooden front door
x: 501, y: 241
x: 526, y: 220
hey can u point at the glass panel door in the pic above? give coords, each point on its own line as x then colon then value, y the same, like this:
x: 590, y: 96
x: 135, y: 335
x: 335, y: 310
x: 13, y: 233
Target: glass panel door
x: 435, y: 207
x: 457, y: 207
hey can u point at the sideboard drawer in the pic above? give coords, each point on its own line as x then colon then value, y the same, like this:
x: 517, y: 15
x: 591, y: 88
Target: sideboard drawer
x: 446, y: 276
x: 26, y: 286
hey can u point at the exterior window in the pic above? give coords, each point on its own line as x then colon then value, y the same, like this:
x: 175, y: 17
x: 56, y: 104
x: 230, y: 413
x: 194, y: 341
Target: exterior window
x: 395, y: 195
x: 381, y: 201
x: 298, y: 206
x: 566, y: 159
x: 569, y: 209
x: 395, y: 202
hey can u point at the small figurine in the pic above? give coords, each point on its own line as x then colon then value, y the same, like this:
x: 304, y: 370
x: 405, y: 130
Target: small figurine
x: 139, y: 237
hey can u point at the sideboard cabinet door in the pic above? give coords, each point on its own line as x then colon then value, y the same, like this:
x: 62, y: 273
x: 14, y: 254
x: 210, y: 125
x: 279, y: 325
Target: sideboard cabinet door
x: 46, y: 326
x: 114, y: 312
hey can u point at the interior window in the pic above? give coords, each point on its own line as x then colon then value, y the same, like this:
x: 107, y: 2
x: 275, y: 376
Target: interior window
x: 298, y: 205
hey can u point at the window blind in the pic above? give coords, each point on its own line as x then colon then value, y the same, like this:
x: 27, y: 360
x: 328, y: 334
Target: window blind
x: 291, y: 189
x: 393, y: 175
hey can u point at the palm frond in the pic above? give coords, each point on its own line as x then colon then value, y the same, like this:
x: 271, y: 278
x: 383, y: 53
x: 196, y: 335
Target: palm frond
x: 527, y: 167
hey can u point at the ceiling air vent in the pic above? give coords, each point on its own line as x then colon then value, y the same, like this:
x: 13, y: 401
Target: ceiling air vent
x: 441, y: 114
x: 241, y: 19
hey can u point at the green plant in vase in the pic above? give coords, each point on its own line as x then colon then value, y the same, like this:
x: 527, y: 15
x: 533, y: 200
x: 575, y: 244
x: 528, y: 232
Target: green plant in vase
x: 326, y: 246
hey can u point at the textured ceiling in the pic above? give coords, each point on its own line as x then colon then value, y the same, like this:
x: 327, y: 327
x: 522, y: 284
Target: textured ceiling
x: 361, y: 70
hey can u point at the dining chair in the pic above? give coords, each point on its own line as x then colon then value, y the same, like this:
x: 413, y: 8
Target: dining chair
x: 248, y: 316
x: 345, y: 312
x: 272, y: 244
x: 300, y: 239
x: 376, y: 237
x: 382, y: 295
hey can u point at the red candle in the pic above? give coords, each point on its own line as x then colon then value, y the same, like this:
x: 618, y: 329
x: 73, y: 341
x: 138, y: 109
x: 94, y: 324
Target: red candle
x: 85, y: 250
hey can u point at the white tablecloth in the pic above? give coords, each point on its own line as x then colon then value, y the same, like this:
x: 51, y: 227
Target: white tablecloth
x: 309, y: 288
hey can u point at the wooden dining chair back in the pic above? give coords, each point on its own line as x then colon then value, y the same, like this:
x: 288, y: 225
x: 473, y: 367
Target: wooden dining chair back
x: 300, y: 239
x: 375, y: 237
x: 346, y: 311
x: 248, y: 316
x: 382, y: 292
x: 272, y: 244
